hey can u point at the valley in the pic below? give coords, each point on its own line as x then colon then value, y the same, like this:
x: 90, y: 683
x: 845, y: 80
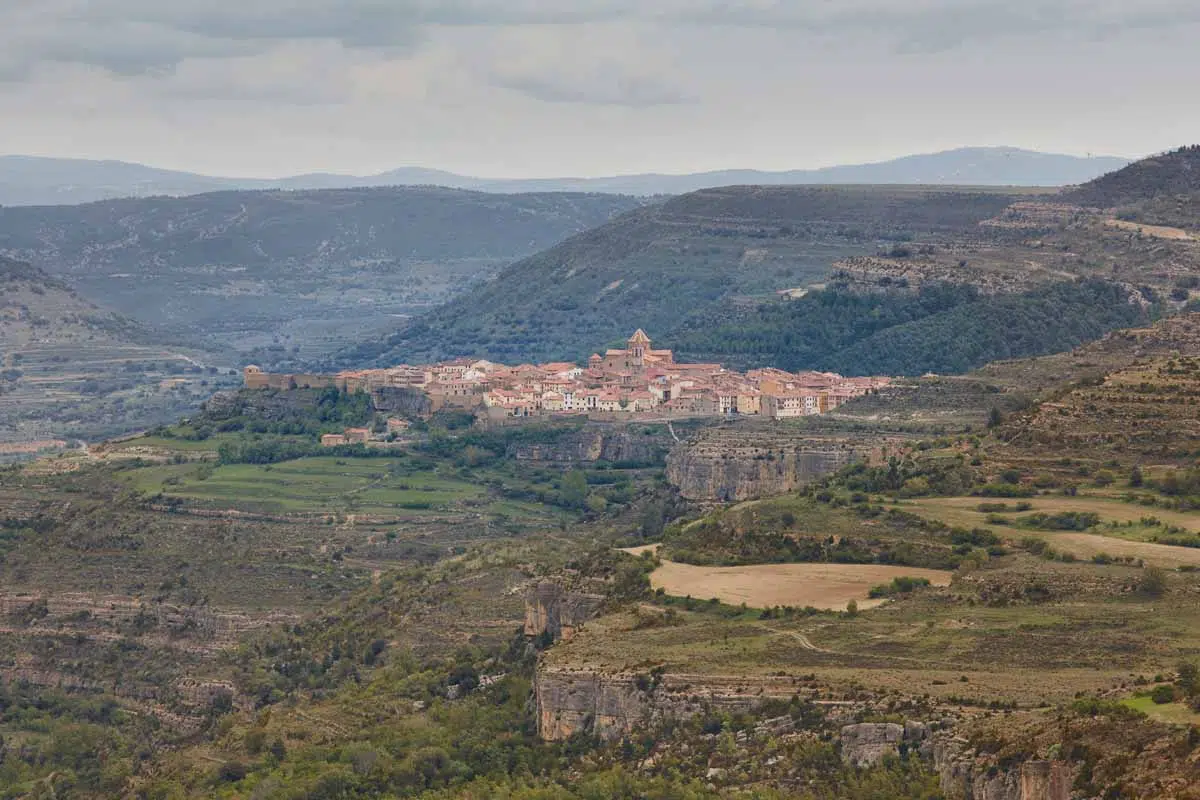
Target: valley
x: 331, y: 581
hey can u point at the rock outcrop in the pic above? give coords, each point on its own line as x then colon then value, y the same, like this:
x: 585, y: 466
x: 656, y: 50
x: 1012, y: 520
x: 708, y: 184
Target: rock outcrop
x: 402, y: 400
x: 734, y: 463
x: 964, y: 775
x: 608, y: 706
x: 867, y: 743
x: 592, y: 443
x: 557, y: 611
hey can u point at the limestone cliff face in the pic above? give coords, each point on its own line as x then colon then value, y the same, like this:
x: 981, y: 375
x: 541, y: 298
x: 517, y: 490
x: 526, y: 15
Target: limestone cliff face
x: 592, y: 443
x: 586, y: 702
x: 554, y: 609
x: 609, y: 706
x: 401, y: 400
x: 965, y: 776
x: 733, y: 464
x: 867, y: 743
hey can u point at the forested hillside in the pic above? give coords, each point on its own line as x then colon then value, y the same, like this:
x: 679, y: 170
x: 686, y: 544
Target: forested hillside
x: 1160, y: 190
x: 942, y: 328
x: 662, y: 265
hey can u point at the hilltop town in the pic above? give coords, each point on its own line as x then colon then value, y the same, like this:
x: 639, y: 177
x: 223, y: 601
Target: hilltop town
x: 634, y: 382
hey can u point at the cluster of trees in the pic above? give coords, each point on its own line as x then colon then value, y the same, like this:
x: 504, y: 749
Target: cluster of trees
x: 940, y: 328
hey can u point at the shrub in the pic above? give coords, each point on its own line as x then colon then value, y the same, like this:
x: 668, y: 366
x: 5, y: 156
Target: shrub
x: 1153, y: 582
x: 1164, y: 693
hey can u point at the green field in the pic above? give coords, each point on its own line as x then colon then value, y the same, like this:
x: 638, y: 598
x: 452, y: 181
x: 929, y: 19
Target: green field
x: 1172, y: 713
x: 377, y: 486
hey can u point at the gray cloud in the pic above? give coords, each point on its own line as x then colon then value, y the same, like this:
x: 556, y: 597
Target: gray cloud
x: 509, y: 87
x: 129, y: 37
x: 633, y: 91
x: 938, y: 25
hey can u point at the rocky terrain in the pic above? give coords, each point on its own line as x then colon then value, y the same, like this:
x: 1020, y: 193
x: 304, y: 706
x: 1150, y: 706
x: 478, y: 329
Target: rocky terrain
x: 614, y: 444
x: 745, y: 460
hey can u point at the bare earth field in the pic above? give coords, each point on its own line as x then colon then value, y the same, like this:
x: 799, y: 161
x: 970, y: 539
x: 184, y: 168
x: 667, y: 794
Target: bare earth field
x: 823, y: 586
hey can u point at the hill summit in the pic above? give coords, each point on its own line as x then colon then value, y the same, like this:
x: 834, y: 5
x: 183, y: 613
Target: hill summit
x: 1173, y: 173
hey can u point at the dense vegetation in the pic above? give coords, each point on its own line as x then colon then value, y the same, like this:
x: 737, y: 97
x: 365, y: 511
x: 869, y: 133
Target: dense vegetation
x: 940, y: 328
x: 1171, y: 174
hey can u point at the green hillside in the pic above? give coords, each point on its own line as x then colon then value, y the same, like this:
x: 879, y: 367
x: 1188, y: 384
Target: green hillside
x: 662, y: 265
x: 940, y: 328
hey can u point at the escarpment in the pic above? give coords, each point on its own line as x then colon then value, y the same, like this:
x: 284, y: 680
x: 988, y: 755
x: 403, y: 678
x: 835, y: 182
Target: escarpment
x: 734, y: 463
x: 571, y: 701
x: 593, y: 443
x: 556, y: 611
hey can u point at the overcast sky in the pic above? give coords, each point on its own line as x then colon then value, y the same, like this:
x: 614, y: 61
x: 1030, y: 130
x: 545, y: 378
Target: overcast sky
x: 589, y: 87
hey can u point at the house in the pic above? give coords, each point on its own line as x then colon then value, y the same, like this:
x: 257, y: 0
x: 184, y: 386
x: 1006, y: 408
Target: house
x: 608, y: 401
x: 788, y: 405
x: 333, y: 440
x: 397, y: 425
x: 357, y: 435
x: 641, y: 401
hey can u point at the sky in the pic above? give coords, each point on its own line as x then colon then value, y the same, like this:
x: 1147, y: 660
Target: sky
x: 522, y: 88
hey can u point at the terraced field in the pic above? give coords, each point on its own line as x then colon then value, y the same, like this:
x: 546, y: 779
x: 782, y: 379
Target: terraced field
x: 1125, y: 529
x: 377, y: 488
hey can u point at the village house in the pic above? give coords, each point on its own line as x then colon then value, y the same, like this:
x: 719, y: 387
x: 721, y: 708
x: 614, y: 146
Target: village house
x: 333, y: 440
x: 357, y: 435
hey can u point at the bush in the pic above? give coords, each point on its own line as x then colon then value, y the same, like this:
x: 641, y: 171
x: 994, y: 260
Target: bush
x: 902, y: 585
x: 1064, y: 521
x: 1153, y: 582
x: 1163, y: 694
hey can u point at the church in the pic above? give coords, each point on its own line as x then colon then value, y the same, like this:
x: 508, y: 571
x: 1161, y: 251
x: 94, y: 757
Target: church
x: 635, y: 359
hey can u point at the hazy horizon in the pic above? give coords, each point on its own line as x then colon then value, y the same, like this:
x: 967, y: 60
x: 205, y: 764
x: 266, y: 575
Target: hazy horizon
x: 738, y: 167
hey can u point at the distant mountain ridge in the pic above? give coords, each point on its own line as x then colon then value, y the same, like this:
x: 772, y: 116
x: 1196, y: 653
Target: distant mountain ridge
x: 29, y: 180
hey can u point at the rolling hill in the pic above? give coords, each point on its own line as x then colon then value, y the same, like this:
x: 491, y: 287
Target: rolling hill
x: 291, y: 269
x: 26, y: 180
x: 755, y: 276
x: 661, y: 265
x: 69, y: 369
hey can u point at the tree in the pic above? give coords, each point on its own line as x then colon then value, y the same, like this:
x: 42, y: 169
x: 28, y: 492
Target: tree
x: 574, y: 489
x: 1136, y: 479
x: 1188, y: 678
x: 994, y: 417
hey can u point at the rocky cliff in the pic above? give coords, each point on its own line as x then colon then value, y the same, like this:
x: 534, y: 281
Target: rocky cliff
x: 555, y: 610
x: 612, y: 443
x: 733, y: 463
x: 571, y: 701
x: 402, y: 400
x: 965, y: 775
